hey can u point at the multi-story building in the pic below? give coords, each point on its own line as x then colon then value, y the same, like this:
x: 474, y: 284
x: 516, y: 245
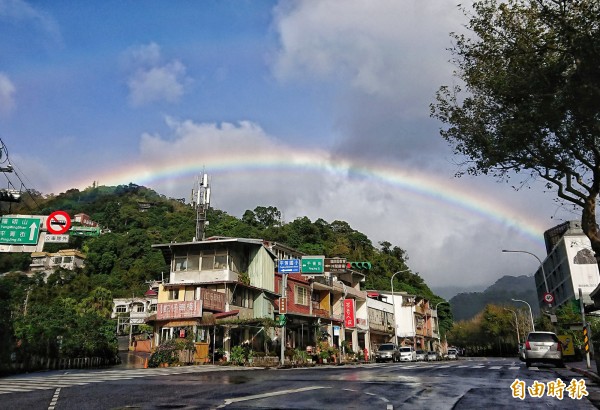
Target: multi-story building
x: 230, y: 279
x: 135, y: 311
x: 381, y: 319
x: 220, y: 289
x: 69, y: 259
x: 569, y: 266
x: 416, y: 322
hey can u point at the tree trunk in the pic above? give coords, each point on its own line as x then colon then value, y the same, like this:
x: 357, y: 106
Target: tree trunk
x: 589, y: 225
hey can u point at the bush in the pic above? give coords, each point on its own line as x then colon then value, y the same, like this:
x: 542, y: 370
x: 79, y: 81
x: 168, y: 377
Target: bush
x: 168, y: 351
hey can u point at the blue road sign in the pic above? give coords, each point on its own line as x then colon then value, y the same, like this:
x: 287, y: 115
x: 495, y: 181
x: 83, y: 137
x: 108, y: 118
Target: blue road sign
x: 289, y: 266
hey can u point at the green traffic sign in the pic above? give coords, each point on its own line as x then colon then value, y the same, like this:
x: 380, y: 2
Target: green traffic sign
x: 312, y: 264
x: 19, y: 231
x: 85, y: 231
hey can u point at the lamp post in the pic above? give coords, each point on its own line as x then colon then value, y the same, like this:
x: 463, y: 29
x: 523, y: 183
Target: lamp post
x: 394, y: 306
x: 541, y: 264
x: 517, y: 324
x: 530, y: 312
x: 438, y: 322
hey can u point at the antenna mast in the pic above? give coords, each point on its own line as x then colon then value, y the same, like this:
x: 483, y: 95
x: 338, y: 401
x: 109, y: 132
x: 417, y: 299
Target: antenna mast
x: 201, y: 201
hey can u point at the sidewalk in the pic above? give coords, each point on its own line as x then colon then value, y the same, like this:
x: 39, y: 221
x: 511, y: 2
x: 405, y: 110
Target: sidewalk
x: 581, y: 368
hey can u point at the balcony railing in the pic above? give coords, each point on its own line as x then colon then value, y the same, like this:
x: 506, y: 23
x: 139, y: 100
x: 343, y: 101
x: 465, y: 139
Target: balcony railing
x: 324, y: 280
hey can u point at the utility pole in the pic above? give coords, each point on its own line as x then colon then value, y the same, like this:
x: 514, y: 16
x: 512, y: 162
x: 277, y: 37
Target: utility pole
x: 586, y: 329
x: 283, y: 295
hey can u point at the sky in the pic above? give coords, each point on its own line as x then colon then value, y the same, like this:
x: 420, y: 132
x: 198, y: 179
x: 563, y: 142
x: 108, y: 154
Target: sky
x: 320, y: 108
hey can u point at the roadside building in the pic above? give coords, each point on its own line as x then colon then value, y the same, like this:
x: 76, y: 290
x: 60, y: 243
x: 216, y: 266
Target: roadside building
x: 569, y: 266
x: 381, y: 319
x: 218, y: 292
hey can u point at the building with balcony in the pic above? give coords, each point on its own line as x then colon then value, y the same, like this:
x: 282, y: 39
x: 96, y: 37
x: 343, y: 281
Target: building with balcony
x: 380, y: 319
x: 416, y: 321
x: 217, y: 292
x: 69, y: 259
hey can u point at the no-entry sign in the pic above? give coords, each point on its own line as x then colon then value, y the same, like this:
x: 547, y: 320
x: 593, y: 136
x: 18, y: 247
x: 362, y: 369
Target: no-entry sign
x: 58, y: 222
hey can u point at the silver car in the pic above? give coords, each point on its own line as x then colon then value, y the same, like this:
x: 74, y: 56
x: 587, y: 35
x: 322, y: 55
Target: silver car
x: 452, y: 354
x: 543, y: 347
x: 421, y: 355
x: 432, y: 356
x: 387, y: 351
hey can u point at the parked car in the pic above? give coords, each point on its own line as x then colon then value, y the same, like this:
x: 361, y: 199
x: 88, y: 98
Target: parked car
x: 432, y: 356
x: 543, y: 347
x: 407, y: 354
x: 421, y: 355
x: 387, y: 352
x: 452, y: 354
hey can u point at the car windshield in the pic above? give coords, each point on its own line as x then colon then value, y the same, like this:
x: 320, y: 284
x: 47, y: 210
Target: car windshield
x: 420, y: 352
x: 542, y: 337
x: 386, y: 347
x: 451, y: 351
x: 405, y: 349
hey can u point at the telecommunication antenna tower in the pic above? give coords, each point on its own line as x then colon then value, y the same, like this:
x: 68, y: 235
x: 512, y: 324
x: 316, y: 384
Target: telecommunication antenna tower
x: 201, y: 201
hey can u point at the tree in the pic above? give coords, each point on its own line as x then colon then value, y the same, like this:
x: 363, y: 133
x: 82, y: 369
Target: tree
x: 531, y: 102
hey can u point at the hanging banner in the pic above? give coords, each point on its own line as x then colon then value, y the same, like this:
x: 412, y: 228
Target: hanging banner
x: 349, y: 313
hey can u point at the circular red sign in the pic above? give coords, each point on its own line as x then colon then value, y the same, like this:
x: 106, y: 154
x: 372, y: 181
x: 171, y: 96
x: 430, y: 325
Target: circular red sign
x: 548, y: 297
x: 58, y: 222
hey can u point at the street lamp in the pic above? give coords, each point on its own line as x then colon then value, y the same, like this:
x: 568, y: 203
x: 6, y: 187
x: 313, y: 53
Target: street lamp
x: 541, y: 264
x: 517, y: 324
x: 438, y: 321
x: 530, y: 312
x: 394, y: 306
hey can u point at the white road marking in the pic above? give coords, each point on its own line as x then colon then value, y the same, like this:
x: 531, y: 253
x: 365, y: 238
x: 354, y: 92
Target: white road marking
x: 272, y: 394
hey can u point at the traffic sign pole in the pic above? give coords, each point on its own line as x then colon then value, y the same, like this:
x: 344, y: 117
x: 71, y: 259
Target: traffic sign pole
x: 283, y: 292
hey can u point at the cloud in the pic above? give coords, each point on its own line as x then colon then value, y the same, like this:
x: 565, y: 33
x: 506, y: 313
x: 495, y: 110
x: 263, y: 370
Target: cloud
x: 150, y: 80
x: 19, y: 11
x: 7, y: 92
x: 390, y: 49
x: 386, y: 59
x: 249, y: 167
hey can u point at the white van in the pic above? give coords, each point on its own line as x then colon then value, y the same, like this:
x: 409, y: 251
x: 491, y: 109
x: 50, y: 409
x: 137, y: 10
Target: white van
x: 407, y: 354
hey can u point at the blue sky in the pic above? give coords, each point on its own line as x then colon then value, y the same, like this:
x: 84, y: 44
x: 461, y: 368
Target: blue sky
x: 317, y: 107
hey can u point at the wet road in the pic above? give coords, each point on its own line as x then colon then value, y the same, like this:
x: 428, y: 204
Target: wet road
x: 462, y: 384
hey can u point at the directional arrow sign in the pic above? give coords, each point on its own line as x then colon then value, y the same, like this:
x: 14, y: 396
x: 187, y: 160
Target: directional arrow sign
x: 21, y: 231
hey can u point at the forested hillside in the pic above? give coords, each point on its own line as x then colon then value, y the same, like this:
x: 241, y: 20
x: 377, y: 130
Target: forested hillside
x: 135, y: 217
x: 465, y: 306
x: 75, y: 306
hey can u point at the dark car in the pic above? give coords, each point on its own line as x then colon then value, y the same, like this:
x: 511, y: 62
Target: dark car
x: 543, y: 347
x: 387, y: 352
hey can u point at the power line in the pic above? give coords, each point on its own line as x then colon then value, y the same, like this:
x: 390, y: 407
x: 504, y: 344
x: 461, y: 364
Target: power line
x: 11, y: 193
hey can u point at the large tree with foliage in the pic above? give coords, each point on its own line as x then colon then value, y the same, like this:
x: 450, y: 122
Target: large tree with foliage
x: 530, y: 99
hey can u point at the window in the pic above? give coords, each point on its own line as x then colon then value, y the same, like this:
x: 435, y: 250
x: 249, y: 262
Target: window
x: 67, y: 259
x: 180, y: 263
x: 173, y: 294
x: 208, y: 262
x: 301, y: 295
x: 193, y: 262
x: 139, y: 307
x: 153, y: 307
x: 189, y: 294
x: 243, y: 298
x: 221, y: 262
x: 121, y: 309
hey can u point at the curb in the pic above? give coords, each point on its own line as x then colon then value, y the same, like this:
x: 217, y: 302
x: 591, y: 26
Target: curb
x: 587, y: 373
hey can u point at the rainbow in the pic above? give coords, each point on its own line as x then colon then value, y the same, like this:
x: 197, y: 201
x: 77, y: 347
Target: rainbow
x: 417, y: 184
